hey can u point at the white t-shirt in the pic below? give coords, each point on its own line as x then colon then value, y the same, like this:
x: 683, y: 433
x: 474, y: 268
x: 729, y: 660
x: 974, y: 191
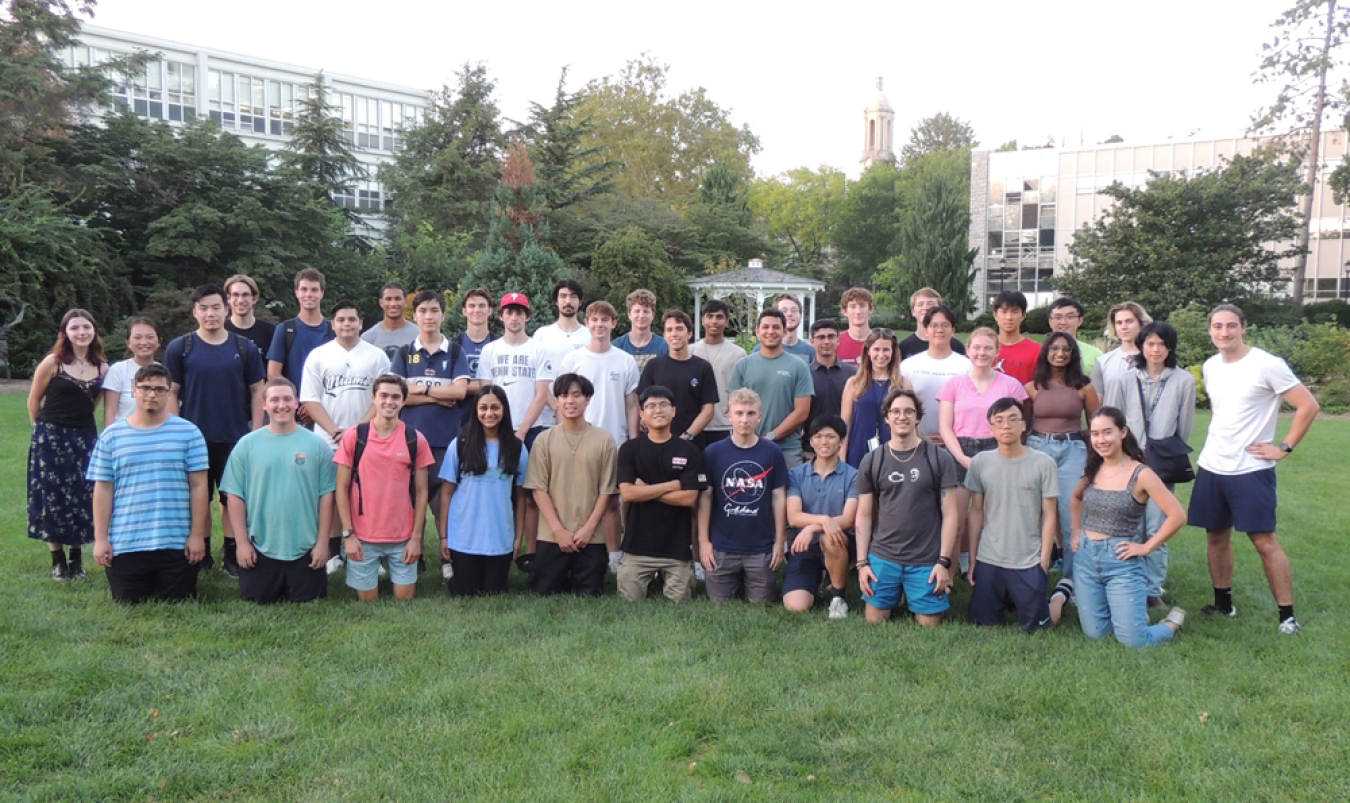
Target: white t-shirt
x: 340, y: 381
x: 557, y: 344
x: 928, y: 375
x: 1245, y: 399
x: 615, y: 375
x: 121, y: 377
x: 1113, y: 366
x: 514, y: 369
x: 723, y: 357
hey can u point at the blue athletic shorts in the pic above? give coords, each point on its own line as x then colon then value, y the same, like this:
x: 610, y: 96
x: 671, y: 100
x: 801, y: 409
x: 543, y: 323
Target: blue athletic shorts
x: 891, y: 577
x: 997, y: 589
x: 1244, y: 502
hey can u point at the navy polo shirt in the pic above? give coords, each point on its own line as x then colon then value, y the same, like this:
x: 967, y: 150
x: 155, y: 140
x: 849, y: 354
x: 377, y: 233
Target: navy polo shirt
x: 438, y: 424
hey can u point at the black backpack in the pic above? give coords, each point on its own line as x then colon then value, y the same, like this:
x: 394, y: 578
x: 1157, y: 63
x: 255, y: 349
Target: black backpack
x: 362, y: 437
x: 934, y: 469
x: 289, y: 327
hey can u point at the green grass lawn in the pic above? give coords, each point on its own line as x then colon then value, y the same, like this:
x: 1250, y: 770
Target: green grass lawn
x: 519, y: 698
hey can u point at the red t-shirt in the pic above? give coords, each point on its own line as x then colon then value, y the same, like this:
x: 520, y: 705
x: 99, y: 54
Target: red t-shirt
x: 850, y: 350
x: 388, y: 516
x: 1019, y: 360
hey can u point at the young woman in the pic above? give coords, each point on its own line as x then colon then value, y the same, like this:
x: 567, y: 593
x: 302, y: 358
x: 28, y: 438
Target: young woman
x: 119, y: 400
x: 1062, y: 399
x: 864, y: 392
x: 65, y: 393
x: 484, y: 469
x: 1105, y: 513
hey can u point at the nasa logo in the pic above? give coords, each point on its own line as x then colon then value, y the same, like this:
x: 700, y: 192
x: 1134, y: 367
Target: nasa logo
x: 693, y: 383
x: 744, y: 483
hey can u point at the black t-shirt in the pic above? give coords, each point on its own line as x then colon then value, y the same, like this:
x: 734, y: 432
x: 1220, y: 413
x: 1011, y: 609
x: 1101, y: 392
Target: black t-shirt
x: 655, y: 529
x: 913, y: 345
x: 829, y: 396
x: 260, y: 333
x: 692, y: 383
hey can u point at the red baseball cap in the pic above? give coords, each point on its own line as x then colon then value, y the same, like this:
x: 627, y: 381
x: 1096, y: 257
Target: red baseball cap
x: 515, y: 300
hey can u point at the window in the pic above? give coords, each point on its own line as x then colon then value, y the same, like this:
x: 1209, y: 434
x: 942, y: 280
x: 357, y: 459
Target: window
x: 365, y: 197
x: 164, y: 90
x: 220, y: 98
x: 181, y: 91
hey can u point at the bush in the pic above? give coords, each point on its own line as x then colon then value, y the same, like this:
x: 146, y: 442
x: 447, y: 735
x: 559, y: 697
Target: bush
x: 1193, y: 343
x: 1334, y: 311
x: 1335, y: 393
x: 1201, y: 397
x: 1037, y: 322
x: 1322, y: 351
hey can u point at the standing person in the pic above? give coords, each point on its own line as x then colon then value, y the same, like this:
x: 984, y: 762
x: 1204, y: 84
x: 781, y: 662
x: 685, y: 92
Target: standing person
x: 241, y: 293
x: 1123, y: 323
x: 119, y: 385
x: 1062, y: 400
x: 1235, y: 487
x: 1016, y: 354
x: 922, y: 300
x: 822, y: 503
x: 1108, y: 508
x: 660, y: 477
x: 929, y: 371
x: 640, y: 342
x: 742, y: 517
x: 907, y: 518
x: 1158, y: 400
x: 217, y: 385
x: 476, y: 308
x: 65, y: 392
x: 829, y: 376
x: 722, y: 355
x: 151, y: 503
x: 573, y: 475
x: 394, y: 329
x: 781, y: 382
x: 965, y: 403
x: 690, y: 379
x: 1066, y: 315
x: 381, y: 490
x: 280, y: 481
x: 296, y: 337
x: 791, y: 307
x: 1012, y: 526
x: 861, y: 404
x: 857, y: 306
x: 483, y: 503
x: 566, y: 333
x: 516, y: 364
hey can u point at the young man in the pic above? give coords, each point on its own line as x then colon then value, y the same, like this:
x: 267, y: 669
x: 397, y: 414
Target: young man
x: 791, y: 308
x: 690, y: 379
x: 566, y: 333
x: 742, y: 517
x: 217, y: 385
x: 1016, y: 354
x: 383, y: 511
x: 1066, y: 315
x: 929, y: 371
x: 393, y: 330
x: 1123, y: 323
x: 476, y: 308
x: 828, y: 374
x: 241, y: 293
x: 660, y: 477
x: 722, y: 355
x: 515, y: 363
x: 1013, y: 522
x: 907, y: 519
x: 573, y: 475
x: 280, y: 480
x: 151, y: 501
x: 782, y: 383
x: 295, y: 338
x: 857, y: 306
x: 822, y: 503
x: 640, y: 342
x: 1235, y: 487
x: 920, y: 301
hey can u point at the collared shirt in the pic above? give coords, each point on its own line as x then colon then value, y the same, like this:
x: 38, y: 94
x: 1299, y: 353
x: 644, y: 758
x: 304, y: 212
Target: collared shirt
x: 829, y: 381
x: 823, y: 496
x: 432, y: 368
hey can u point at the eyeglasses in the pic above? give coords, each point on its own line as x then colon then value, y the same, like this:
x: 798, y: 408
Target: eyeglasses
x: 653, y: 407
x: 883, y: 332
x: 999, y: 423
x: 152, y: 390
x: 1064, y: 318
x: 940, y: 327
x: 904, y: 412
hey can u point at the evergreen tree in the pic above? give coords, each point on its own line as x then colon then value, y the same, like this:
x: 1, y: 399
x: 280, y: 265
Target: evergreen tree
x: 319, y: 152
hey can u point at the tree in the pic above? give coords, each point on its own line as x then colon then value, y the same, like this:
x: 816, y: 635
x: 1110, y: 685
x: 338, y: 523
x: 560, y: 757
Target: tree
x: 867, y: 225
x: 1299, y: 60
x: 632, y: 259
x: 1113, y: 139
x: 1010, y: 145
x: 941, y: 132
x: 800, y: 208
x: 1179, y: 240
x: 318, y: 152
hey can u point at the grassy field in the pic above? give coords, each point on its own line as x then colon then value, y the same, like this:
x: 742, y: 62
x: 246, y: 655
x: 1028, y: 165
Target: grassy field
x: 519, y: 698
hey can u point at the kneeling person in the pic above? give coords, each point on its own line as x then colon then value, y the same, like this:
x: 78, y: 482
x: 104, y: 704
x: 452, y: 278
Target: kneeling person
x: 382, y: 494
x: 822, y: 499
x: 281, y: 481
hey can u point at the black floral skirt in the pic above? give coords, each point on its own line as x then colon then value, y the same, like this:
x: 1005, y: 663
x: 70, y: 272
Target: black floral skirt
x: 60, y: 500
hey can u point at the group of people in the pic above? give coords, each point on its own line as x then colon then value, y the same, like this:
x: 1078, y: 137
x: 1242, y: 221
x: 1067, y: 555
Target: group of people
x: 658, y: 458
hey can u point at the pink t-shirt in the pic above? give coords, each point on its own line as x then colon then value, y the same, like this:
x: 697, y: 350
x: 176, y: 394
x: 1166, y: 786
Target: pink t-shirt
x: 388, y: 516
x: 1019, y: 361
x: 972, y: 407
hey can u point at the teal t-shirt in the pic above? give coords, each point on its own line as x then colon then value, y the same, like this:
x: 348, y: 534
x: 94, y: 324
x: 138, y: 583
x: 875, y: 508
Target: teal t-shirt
x: 281, y: 479
x: 779, y: 381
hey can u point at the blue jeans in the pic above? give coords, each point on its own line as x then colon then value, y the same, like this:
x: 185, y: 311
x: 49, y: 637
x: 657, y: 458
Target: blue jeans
x: 1070, y: 458
x: 1112, y: 596
x: 1155, y: 562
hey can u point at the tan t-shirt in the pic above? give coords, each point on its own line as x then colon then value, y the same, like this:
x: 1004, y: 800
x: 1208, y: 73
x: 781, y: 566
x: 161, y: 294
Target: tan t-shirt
x: 573, y: 480
x: 723, y: 358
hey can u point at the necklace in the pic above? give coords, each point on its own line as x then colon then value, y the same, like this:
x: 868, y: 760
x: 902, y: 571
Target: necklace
x: 896, y: 457
x: 572, y: 447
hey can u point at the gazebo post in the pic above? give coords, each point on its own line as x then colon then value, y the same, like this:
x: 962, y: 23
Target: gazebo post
x: 698, y: 317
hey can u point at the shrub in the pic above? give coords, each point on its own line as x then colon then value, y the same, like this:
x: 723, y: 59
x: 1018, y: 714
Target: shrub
x: 1193, y: 343
x: 1336, y: 311
x: 1335, y: 393
x: 1322, y: 351
x: 1037, y: 322
x: 1201, y: 397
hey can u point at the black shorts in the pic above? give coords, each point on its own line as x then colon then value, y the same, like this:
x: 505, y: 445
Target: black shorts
x: 806, y: 570
x: 217, y: 455
x: 556, y: 571
x: 997, y: 589
x: 476, y: 575
x: 161, y: 574
x: 271, y: 580
x: 434, y: 481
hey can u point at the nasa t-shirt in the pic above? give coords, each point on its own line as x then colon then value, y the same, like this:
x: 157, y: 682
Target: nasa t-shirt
x: 742, y: 482
x: 907, y: 522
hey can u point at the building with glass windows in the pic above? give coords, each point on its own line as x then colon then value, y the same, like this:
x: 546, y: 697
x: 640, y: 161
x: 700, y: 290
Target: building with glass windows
x: 1026, y: 205
x: 258, y: 99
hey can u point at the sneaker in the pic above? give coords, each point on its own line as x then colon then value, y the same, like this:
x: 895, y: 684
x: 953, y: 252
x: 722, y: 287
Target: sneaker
x: 1175, y: 616
x: 205, y: 563
x: 230, y: 567
x: 839, y: 608
x: 381, y: 571
x: 1210, y: 610
x: 1290, y: 626
x: 1157, y: 604
x: 60, y: 573
x: 447, y: 571
x: 334, y: 564
x: 77, y: 572
x: 699, y: 574
x: 1065, y: 589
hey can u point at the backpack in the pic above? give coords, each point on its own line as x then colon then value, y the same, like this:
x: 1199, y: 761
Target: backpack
x: 362, y: 437
x: 455, y: 351
x: 934, y: 470
x: 241, y: 344
x: 289, y: 327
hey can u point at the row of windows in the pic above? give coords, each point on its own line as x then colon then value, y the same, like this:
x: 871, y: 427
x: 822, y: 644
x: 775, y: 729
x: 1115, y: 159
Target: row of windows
x: 363, y: 196
x: 1032, y: 275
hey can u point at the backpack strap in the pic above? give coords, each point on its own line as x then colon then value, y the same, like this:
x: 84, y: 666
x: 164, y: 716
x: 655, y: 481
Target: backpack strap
x: 410, y: 437
x: 362, y: 436
x: 289, y: 335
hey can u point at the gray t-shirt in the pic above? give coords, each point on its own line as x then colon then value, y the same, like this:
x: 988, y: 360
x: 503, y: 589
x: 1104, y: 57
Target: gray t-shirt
x: 382, y: 338
x: 779, y: 381
x: 1013, y: 490
x: 907, y: 511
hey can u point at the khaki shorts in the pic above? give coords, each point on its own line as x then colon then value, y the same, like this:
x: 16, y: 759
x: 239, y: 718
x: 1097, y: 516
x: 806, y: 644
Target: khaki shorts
x: 637, y: 571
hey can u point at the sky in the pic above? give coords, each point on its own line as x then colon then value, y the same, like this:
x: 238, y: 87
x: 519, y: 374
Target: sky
x: 1075, y: 71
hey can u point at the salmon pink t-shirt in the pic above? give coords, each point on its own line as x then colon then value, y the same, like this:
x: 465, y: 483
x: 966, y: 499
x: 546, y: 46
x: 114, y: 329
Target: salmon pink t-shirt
x: 383, y: 492
x: 972, y: 407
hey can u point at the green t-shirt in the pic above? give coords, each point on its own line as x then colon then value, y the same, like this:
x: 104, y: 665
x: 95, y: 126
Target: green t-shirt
x: 281, y: 479
x: 1090, y: 354
x: 779, y: 381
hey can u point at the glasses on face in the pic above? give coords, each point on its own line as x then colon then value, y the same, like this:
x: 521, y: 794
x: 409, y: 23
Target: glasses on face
x: 1060, y: 350
x: 1063, y: 318
x: 904, y: 412
x: 883, y: 332
x: 653, y: 407
x: 1000, y: 423
x: 940, y: 327
x: 152, y: 390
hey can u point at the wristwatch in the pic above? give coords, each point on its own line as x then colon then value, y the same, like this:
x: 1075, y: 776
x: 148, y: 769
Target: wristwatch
x: 1286, y: 448
x: 346, y: 533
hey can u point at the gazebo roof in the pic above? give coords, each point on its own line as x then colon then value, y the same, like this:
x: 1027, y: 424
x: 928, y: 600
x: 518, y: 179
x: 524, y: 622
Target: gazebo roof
x: 762, y: 278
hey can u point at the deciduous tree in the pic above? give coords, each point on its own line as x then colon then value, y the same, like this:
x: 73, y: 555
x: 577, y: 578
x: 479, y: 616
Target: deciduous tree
x: 941, y: 132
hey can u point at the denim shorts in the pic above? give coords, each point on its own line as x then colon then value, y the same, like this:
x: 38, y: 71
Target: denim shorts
x: 891, y: 577
x: 363, y: 575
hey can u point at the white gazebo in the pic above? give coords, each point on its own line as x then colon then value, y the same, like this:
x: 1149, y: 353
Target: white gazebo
x: 759, y: 283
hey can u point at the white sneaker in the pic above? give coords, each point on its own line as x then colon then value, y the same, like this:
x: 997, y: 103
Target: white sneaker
x: 447, y: 571
x: 1290, y: 626
x: 964, y: 562
x: 838, y: 608
x: 1176, y: 616
x: 698, y: 572
x: 381, y: 571
x: 334, y: 564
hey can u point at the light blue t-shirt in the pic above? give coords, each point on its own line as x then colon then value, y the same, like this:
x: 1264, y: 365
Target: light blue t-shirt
x: 152, y: 507
x: 281, y: 479
x: 656, y: 347
x: 482, y: 521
